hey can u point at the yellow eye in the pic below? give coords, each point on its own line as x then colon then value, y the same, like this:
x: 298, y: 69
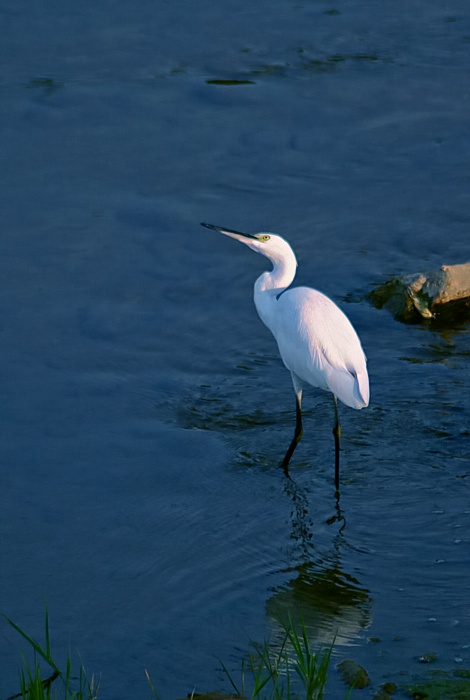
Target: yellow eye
x: 264, y: 238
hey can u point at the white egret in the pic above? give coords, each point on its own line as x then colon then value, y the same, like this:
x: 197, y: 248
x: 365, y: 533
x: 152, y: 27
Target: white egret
x: 316, y: 340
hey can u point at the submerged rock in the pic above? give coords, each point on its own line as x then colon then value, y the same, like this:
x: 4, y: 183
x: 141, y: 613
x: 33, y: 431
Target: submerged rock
x: 353, y: 674
x: 426, y: 295
x: 386, y: 691
x: 382, y: 695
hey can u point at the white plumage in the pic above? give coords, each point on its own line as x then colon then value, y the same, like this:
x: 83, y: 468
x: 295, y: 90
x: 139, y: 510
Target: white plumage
x: 316, y: 340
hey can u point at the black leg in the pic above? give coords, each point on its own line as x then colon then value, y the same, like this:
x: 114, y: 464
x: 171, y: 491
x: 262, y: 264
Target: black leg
x: 299, y: 431
x: 337, y: 434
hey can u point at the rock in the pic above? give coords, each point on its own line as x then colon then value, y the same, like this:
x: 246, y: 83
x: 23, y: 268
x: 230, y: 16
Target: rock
x: 382, y: 695
x: 353, y: 674
x: 390, y: 687
x: 426, y: 295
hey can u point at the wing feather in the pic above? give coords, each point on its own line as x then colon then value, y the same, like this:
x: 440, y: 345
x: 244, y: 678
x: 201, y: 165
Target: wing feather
x: 318, y: 343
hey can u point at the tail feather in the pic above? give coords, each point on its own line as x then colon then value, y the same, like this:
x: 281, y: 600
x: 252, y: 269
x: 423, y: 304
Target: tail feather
x: 361, y: 388
x: 351, y: 387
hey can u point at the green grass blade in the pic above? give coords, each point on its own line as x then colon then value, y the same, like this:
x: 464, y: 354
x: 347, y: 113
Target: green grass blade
x: 68, y: 675
x: 48, y: 639
x: 37, y: 647
x: 155, y: 694
x: 229, y: 676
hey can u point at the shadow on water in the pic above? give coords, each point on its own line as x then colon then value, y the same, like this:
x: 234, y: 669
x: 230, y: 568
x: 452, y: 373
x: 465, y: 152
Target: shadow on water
x: 319, y: 594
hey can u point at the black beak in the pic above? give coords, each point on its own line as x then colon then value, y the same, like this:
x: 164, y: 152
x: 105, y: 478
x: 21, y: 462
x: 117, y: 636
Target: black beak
x: 228, y: 231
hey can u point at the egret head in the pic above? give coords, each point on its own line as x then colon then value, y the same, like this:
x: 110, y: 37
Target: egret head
x: 272, y: 246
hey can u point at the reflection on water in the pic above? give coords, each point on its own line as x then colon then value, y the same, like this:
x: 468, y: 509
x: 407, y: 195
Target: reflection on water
x: 445, y: 344
x: 320, y: 594
x: 330, y: 602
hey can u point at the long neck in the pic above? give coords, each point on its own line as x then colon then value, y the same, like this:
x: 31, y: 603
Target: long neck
x: 281, y: 276
x: 269, y: 285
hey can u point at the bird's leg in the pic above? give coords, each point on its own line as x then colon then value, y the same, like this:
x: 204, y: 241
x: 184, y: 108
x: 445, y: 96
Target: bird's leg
x: 337, y: 434
x: 299, y: 431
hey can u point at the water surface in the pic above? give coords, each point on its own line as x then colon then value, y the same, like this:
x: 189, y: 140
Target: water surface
x: 144, y: 407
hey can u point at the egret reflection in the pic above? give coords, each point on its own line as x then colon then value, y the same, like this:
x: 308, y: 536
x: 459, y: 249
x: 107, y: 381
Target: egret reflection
x: 331, y: 603
x: 319, y: 593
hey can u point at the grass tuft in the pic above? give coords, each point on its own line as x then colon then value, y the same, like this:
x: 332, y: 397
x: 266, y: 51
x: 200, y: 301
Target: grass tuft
x: 292, y: 672
x: 37, y: 684
x: 275, y: 674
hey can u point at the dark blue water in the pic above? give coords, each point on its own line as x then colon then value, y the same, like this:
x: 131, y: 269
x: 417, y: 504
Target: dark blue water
x: 144, y: 407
